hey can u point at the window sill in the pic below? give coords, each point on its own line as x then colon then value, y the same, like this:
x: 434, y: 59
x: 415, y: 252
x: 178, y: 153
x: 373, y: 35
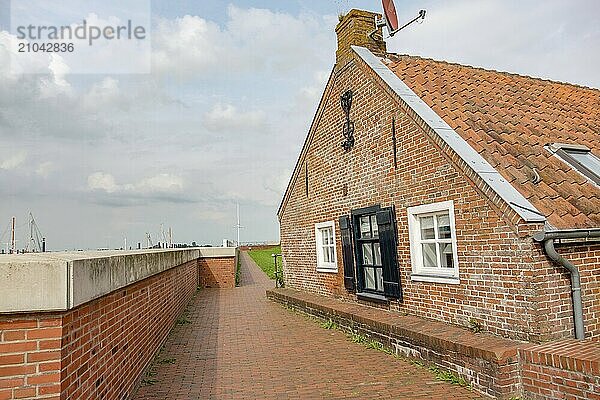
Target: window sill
x: 435, y: 279
x: 329, y: 270
x: 372, y: 297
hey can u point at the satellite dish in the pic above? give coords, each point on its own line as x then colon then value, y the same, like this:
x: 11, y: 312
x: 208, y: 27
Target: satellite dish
x: 389, y: 13
x: 390, y: 19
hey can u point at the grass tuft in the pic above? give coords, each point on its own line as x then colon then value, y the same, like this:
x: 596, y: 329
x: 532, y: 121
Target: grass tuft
x: 329, y: 324
x: 447, y: 376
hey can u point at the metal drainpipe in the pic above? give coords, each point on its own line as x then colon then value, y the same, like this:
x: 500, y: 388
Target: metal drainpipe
x: 547, y: 238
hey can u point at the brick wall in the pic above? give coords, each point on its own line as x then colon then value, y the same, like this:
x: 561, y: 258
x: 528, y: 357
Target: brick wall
x: 501, y: 285
x: 30, y: 356
x: 217, y: 272
x: 97, y: 350
x: 554, y: 305
x: 567, y: 369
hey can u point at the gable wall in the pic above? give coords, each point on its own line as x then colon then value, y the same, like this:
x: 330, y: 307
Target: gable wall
x: 496, y: 258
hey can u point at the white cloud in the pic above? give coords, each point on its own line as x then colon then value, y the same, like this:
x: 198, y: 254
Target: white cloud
x: 252, y: 40
x: 161, y: 184
x: 308, y: 97
x: 102, y: 181
x: 14, y: 161
x: 227, y: 118
x: 187, y: 45
x: 103, y: 94
x: 45, y: 168
x: 56, y: 85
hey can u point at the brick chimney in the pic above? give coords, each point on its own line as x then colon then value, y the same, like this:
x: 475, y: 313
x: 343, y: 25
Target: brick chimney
x: 353, y: 30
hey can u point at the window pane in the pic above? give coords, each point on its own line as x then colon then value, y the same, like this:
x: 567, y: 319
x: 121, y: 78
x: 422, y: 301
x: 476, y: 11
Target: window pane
x: 331, y: 253
x: 374, y: 226
x: 377, y: 253
x: 587, y: 159
x: 379, y: 277
x: 367, y: 253
x: 365, y: 227
x: 427, y: 231
x: 444, y: 226
x: 446, y: 255
x: 369, y: 278
x: 326, y: 254
x: 429, y: 255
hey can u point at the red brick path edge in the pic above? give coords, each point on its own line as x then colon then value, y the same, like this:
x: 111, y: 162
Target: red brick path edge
x: 501, y: 368
x: 239, y: 345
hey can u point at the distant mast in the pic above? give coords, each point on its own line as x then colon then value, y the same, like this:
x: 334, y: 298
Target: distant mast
x: 12, y: 236
x: 36, y: 240
x: 238, y: 226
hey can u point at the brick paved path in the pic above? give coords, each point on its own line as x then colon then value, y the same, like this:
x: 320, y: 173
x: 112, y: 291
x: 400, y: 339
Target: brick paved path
x: 239, y: 345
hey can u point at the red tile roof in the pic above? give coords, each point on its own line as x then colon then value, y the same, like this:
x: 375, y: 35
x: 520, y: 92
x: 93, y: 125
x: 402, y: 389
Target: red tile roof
x: 508, y: 119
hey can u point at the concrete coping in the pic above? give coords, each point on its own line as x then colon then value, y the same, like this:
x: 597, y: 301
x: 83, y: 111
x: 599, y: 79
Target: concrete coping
x: 37, y: 282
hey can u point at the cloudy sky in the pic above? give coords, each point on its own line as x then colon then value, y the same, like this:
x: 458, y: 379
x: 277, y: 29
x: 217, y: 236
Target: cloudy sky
x: 222, y: 116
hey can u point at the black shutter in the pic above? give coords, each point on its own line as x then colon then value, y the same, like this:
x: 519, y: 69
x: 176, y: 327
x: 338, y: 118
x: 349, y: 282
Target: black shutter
x: 387, y: 242
x: 347, y: 257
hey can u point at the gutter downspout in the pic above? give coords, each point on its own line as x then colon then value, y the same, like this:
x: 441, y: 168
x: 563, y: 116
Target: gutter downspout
x: 547, y: 238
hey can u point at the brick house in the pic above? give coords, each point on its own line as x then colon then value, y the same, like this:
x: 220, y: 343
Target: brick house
x: 448, y: 192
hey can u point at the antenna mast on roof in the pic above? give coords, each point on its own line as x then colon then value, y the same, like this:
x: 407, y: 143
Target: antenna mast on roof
x: 390, y: 19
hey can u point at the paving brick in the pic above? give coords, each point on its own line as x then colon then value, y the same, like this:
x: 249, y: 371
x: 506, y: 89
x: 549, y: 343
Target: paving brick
x: 241, y: 346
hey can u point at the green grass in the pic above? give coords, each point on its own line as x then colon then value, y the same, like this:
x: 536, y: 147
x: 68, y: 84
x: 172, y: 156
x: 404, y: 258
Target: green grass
x: 264, y: 260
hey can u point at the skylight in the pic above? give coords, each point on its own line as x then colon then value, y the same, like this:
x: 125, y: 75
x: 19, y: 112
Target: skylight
x: 580, y: 158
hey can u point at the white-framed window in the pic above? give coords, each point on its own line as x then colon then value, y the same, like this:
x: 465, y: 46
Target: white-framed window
x: 325, y: 240
x: 432, y: 237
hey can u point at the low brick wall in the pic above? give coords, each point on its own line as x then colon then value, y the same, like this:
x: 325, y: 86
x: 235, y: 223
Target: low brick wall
x: 487, y: 362
x: 86, y: 325
x: 97, y: 350
x: 501, y: 368
x: 567, y: 369
x: 217, y: 272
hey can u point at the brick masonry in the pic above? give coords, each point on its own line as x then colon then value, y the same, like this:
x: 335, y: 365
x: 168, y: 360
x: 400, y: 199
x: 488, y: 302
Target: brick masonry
x: 507, y: 284
x: 501, y: 368
x: 567, y: 369
x: 99, y: 349
x: 217, y: 272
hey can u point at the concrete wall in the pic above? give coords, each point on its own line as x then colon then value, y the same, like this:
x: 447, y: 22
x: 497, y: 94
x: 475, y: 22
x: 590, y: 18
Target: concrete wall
x: 94, y: 339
